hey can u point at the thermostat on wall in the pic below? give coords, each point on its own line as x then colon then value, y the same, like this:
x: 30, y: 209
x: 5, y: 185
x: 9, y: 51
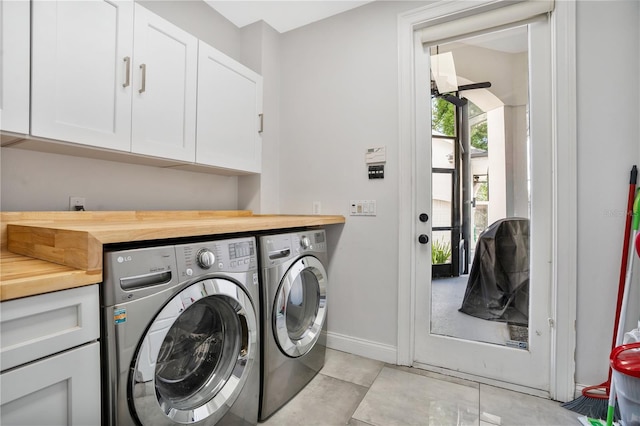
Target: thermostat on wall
x: 376, y: 155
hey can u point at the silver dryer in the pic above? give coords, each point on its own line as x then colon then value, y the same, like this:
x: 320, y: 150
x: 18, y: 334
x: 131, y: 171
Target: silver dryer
x: 294, y: 311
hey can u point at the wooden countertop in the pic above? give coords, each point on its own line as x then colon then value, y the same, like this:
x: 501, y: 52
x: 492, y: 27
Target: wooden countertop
x: 50, y: 251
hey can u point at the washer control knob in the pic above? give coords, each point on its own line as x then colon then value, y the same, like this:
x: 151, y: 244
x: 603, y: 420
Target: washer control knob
x: 305, y: 243
x: 205, y: 258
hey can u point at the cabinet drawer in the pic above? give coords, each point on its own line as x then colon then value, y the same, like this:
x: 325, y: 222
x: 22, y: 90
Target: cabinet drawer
x: 37, y: 326
x: 59, y: 390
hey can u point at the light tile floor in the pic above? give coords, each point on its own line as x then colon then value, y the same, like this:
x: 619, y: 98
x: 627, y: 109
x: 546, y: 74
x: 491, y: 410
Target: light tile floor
x: 357, y: 391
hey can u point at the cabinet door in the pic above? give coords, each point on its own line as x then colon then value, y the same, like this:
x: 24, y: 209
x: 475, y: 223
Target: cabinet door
x: 229, y: 105
x: 37, y: 326
x: 165, y: 79
x: 14, y: 78
x: 63, y: 389
x: 79, y: 71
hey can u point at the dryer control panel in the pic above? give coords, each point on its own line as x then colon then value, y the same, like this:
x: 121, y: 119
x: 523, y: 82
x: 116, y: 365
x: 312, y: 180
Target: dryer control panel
x: 278, y: 249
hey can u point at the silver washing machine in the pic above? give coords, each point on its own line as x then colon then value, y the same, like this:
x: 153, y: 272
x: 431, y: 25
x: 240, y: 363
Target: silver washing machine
x: 180, y: 334
x: 294, y: 310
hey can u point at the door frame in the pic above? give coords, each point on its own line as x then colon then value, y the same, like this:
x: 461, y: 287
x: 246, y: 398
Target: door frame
x: 564, y: 199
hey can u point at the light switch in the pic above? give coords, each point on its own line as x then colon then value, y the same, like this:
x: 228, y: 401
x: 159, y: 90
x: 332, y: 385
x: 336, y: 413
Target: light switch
x: 362, y: 208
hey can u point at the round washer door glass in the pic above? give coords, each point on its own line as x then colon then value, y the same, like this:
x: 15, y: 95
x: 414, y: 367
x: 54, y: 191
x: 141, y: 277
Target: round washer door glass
x: 196, y: 356
x: 300, y: 307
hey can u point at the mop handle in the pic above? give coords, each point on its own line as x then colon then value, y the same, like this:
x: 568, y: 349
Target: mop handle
x: 633, y: 179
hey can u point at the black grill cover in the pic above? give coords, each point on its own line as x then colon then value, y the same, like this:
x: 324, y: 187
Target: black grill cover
x: 498, y: 286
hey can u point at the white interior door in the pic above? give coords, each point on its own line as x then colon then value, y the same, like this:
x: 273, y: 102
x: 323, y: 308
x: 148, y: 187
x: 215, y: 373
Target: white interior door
x: 529, y: 368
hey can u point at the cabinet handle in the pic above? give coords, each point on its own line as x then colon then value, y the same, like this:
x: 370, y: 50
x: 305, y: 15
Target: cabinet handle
x: 143, y: 83
x: 127, y: 72
x: 261, y: 116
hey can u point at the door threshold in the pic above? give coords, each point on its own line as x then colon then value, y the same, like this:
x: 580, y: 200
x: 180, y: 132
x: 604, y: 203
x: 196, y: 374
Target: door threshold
x: 483, y: 380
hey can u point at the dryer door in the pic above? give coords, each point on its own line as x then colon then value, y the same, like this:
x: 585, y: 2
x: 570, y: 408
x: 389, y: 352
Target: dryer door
x: 196, y: 355
x: 300, y: 306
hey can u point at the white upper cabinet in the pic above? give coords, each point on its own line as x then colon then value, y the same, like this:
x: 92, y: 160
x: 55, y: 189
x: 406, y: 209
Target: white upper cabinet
x: 112, y: 74
x: 81, y: 53
x: 14, y: 79
x: 229, y: 113
x: 165, y: 83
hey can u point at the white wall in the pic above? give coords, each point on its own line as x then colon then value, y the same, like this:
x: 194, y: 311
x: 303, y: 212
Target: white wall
x: 608, y: 146
x: 339, y: 97
x: 506, y: 72
x: 517, y: 157
x: 261, y: 52
x: 496, y: 136
x: 38, y: 181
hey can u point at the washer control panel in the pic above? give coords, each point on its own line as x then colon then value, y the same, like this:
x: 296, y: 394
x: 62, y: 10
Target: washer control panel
x: 238, y: 255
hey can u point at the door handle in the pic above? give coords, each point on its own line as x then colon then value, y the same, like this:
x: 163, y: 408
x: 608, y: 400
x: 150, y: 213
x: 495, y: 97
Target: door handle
x: 423, y: 217
x: 143, y: 84
x: 127, y: 72
x: 423, y: 238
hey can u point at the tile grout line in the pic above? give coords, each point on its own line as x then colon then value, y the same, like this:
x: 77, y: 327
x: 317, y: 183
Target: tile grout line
x: 363, y: 396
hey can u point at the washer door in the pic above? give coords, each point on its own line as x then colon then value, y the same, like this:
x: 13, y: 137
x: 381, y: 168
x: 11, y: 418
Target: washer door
x: 196, y: 355
x: 300, y: 307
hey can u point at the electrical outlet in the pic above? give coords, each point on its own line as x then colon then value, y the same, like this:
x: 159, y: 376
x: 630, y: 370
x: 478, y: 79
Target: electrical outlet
x: 317, y: 207
x: 77, y: 203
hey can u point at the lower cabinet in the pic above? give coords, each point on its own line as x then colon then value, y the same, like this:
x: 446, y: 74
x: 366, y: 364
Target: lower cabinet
x: 62, y: 389
x: 50, y: 359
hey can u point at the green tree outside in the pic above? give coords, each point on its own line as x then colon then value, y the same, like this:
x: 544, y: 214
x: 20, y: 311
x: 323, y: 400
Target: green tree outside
x: 443, y: 120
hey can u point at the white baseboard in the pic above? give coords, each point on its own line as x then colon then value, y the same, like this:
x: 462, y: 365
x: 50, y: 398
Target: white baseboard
x: 362, y: 347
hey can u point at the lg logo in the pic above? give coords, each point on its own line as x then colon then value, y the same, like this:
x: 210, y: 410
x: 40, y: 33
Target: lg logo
x: 122, y: 259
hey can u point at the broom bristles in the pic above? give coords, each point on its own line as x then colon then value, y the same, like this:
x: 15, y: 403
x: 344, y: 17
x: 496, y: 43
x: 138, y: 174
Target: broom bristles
x: 595, y: 408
